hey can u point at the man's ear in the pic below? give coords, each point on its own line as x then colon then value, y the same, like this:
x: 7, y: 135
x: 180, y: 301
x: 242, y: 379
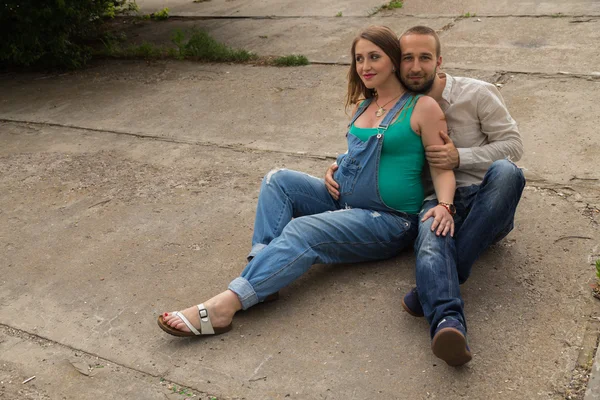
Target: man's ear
x: 439, y: 62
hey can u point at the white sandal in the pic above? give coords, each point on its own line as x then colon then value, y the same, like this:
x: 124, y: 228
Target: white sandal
x: 206, y: 327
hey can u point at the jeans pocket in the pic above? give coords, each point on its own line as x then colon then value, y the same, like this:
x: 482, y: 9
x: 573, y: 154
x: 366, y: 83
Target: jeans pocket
x: 403, y: 224
x: 347, y: 174
x: 408, y: 227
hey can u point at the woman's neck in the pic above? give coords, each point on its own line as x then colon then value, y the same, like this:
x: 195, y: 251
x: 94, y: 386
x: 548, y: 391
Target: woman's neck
x: 390, y: 88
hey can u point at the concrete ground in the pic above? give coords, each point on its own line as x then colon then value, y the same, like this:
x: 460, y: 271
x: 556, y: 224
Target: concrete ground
x: 241, y: 8
x: 129, y: 189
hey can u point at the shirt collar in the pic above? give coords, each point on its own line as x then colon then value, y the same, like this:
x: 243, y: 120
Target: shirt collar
x: 448, y: 88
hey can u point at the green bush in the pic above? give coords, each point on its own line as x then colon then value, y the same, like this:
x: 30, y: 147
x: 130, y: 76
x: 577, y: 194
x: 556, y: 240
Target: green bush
x: 392, y: 5
x: 54, y: 33
x: 201, y: 46
x: 291, y: 60
x: 160, y: 15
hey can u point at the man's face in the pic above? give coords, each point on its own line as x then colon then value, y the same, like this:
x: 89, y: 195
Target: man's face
x: 418, y: 67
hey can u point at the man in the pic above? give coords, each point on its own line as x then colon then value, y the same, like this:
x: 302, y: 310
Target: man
x: 483, y: 139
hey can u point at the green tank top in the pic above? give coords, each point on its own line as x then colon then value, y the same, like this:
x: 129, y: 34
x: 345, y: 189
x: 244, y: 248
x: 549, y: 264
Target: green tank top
x: 401, y: 163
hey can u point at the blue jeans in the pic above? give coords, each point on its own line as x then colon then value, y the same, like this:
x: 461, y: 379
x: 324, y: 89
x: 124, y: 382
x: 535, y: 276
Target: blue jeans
x: 299, y: 224
x: 484, y: 215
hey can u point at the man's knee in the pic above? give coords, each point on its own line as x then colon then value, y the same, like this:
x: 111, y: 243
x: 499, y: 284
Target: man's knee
x: 507, y: 174
x: 507, y: 177
x: 434, y: 253
x: 427, y: 241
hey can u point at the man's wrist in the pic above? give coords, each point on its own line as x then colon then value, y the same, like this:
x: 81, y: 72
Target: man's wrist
x: 465, y: 157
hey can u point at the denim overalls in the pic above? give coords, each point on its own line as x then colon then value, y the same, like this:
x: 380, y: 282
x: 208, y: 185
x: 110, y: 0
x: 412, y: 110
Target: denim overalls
x: 358, y: 169
x: 299, y: 224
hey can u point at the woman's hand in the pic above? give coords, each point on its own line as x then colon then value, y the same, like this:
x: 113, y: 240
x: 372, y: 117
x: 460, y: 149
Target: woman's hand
x: 331, y: 185
x: 443, y: 220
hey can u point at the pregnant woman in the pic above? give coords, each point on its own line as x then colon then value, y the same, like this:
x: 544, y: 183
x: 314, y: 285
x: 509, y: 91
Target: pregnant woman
x: 299, y: 224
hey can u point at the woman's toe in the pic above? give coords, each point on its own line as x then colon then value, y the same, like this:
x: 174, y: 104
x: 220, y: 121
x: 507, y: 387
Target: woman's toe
x: 180, y: 326
x: 177, y: 323
x: 171, y: 319
x: 174, y: 322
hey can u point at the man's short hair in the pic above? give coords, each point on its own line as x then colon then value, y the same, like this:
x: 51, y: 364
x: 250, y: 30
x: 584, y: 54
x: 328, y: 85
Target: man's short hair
x: 425, y: 30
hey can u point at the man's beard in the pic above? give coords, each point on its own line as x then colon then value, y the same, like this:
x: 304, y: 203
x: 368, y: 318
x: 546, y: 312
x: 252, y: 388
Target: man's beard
x: 425, y: 87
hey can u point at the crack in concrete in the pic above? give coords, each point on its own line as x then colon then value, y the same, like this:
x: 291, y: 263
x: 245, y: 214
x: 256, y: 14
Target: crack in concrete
x: 559, y: 188
x: 449, y: 25
x: 541, y: 183
x: 553, y: 16
x: 41, y: 340
x: 550, y: 75
x: 233, y: 147
x: 581, y: 184
x: 368, y: 16
x: 587, y: 207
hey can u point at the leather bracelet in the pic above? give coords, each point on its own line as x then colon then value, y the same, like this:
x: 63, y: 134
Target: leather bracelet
x: 448, y: 206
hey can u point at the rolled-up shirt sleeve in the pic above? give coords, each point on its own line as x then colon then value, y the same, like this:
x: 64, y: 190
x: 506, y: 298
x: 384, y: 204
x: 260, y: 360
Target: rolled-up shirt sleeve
x: 500, y: 129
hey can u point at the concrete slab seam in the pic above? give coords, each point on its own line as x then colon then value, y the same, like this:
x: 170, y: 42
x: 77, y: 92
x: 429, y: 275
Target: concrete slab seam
x: 170, y: 140
x: 449, y: 25
x: 559, y: 74
x: 498, y: 16
x: 399, y: 16
x: 540, y: 184
x: 592, y: 391
x: 36, y: 337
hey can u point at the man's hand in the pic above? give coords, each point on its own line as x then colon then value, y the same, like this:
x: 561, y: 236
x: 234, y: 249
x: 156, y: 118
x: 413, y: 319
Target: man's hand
x: 443, y: 156
x: 443, y: 221
x: 330, y: 183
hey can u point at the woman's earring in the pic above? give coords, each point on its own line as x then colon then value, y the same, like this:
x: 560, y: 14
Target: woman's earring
x: 393, y: 69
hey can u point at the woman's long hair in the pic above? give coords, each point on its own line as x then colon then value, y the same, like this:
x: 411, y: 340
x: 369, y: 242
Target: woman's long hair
x: 384, y: 38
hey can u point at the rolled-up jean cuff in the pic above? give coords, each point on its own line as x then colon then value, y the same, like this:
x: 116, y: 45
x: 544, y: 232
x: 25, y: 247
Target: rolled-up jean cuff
x: 255, y: 250
x: 244, y: 291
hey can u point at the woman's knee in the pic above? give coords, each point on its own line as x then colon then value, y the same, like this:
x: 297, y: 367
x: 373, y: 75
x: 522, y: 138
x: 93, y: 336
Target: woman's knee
x: 298, y: 229
x: 309, y: 231
x: 284, y: 178
x: 276, y: 176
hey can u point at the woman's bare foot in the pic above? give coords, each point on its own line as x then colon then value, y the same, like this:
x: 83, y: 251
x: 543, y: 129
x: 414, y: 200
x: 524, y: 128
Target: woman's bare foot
x: 221, y: 310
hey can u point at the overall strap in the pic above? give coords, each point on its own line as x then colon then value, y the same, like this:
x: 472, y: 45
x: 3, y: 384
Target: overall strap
x: 392, y: 113
x: 361, y: 109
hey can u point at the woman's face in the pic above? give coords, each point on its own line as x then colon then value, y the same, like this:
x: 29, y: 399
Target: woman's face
x: 372, y: 64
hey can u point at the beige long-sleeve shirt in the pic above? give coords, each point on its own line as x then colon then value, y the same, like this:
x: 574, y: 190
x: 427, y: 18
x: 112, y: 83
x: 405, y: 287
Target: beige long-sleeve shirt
x: 481, y: 128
